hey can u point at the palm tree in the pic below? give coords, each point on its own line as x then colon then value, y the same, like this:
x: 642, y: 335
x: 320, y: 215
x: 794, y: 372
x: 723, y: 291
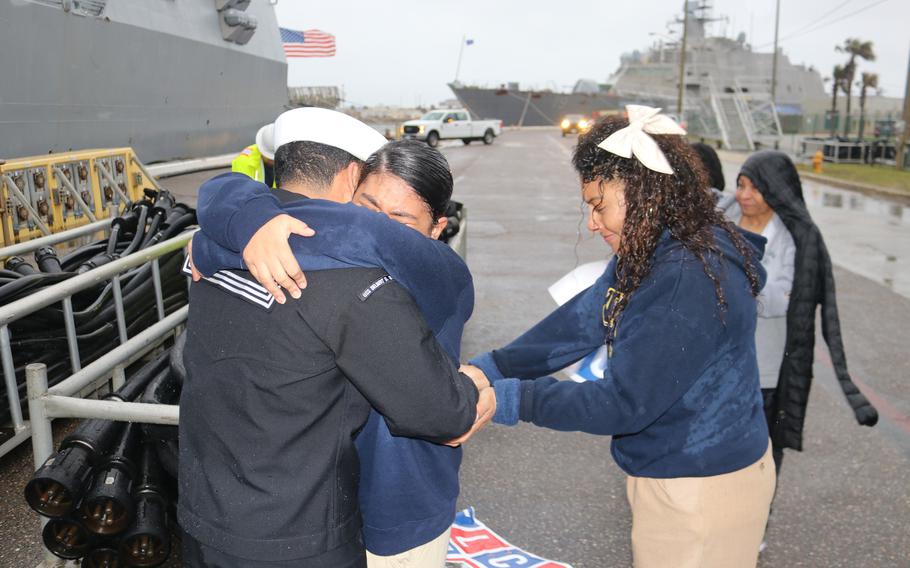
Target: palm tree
x: 869, y: 81
x: 837, y: 82
x: 855, y: 48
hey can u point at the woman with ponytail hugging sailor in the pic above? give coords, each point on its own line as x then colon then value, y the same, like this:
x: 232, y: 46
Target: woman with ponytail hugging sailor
x: 676, y: 310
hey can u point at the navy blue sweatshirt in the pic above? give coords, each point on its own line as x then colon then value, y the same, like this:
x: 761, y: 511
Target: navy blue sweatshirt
x: 408, y: 487
x: 680, y: 393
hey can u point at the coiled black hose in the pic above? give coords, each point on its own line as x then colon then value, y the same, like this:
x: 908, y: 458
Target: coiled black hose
x: 158, y: 216
x: 41, y: 336
x: 47, y: 260
x: 72, y: 260
x: 139, y: 231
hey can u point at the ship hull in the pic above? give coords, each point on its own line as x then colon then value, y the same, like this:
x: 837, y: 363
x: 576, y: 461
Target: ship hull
x: 76, y: 82
x: 530, y: 108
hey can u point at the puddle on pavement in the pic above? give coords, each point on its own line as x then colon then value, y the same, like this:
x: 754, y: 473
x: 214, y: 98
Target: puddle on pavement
x: 865, y: 234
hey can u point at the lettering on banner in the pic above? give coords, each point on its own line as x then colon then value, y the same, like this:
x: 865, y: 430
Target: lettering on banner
x: 472, y: 542
x: 474, y: 545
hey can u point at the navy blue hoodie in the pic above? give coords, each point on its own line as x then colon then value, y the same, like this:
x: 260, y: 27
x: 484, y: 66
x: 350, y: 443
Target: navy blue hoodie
x: 408, y: 487
x: 680, y: 394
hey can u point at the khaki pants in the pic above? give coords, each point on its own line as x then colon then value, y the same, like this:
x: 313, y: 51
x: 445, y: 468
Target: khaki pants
x: 701, y: 522
x: 429, y: 555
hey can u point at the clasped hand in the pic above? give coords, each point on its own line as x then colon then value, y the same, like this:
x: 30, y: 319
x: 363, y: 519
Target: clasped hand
x: 486, y: 403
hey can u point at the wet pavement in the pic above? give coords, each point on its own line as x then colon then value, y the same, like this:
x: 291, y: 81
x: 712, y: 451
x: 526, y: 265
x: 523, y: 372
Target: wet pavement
x: 844, y: 502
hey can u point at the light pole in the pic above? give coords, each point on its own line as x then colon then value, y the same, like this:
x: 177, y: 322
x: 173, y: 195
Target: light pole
x: 682, y: 60
x: 902, y: 147
x: 774, y: 61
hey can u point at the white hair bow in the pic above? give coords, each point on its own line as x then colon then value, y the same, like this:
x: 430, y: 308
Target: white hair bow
x: 635, y: 139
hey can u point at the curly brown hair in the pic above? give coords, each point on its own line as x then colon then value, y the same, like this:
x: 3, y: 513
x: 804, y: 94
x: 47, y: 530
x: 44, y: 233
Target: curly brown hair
x: 654, y: 202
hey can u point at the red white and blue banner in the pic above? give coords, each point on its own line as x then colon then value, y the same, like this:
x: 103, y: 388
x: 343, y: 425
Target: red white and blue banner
x: 473, y: 545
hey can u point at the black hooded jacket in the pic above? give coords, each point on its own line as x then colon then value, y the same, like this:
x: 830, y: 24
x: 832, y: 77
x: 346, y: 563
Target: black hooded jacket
x: 776, y: 177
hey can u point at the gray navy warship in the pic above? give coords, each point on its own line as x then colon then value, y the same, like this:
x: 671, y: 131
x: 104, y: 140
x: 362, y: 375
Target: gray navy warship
x: 180, y: 79
x: 727, y: 88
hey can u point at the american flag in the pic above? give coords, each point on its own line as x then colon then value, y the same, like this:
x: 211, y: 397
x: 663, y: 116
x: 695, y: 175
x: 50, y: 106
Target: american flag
x: 308, y: 43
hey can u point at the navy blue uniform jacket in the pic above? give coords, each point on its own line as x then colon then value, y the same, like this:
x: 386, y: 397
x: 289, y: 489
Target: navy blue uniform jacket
x: 680, y: 394
x: 408, y: 487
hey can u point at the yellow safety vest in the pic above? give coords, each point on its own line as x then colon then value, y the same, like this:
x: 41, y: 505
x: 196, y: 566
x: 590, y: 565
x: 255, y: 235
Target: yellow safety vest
x: 249, y: 162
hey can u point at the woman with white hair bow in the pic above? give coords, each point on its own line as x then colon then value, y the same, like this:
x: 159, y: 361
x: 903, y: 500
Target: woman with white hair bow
x: 676, y: 310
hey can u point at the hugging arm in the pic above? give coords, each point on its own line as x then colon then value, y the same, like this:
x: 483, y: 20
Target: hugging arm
x: 638, y: 387
x: 231, y: 209
x: 239, y: 214
x: 385, y: 348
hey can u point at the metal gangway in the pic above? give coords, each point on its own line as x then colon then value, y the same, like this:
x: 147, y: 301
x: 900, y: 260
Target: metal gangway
x: 746, y: 118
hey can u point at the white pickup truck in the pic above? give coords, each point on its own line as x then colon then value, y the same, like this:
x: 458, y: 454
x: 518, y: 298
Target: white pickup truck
x: 451, y: 124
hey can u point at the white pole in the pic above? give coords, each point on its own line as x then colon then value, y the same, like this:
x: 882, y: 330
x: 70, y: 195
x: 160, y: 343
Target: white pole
x: 774, y: 61
x: 682, y: 61
x: 42, y: 435
x: 70, y: 407
x: 460, y: 52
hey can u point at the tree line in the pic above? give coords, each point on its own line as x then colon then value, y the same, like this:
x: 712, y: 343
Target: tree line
x: 843, y: 77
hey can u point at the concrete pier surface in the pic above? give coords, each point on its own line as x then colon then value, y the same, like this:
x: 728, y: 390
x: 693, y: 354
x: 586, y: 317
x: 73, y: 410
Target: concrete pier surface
x: 844, y: 501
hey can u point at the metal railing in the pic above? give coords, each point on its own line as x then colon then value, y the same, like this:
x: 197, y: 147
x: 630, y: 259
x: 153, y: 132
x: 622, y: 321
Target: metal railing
x: 113, y: 363
x: 837, y: 151
x: 55, y: 238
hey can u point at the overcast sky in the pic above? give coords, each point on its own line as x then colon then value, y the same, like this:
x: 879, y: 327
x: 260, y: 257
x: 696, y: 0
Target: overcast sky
x: 403, y: 52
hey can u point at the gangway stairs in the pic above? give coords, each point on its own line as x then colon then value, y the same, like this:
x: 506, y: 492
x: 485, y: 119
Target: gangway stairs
x: 734, y: 118
x: 745, y: 118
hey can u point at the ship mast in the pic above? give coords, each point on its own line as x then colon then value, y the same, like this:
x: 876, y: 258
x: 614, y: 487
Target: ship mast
x: 682, y: 61
x: 696, y: 13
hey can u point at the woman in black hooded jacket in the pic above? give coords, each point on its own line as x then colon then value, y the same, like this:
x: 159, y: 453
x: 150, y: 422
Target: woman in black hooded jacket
x: 775, y: 176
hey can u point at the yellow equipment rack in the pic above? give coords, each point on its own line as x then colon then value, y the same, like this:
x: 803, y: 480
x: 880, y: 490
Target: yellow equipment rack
x: 41, y: 195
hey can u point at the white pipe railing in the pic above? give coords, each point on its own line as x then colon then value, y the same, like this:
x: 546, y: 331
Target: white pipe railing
x: 63, y: 236
x: 110, y: 364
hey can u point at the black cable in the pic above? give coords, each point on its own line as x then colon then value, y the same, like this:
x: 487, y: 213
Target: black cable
x: 112, y: 240
x: 139, y: 234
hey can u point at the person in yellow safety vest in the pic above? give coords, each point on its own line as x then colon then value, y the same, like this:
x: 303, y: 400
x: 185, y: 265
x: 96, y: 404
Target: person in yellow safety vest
x: 257, y: 160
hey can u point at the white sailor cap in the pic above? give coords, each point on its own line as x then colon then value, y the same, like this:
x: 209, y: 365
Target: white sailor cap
x: 265, y: 141
x: 328, y: 127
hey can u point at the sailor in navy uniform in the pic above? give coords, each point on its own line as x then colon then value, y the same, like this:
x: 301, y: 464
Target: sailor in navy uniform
x: 276, y: 393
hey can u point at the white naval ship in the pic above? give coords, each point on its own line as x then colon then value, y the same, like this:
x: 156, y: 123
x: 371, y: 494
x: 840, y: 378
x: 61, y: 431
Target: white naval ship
x: 727, y: 89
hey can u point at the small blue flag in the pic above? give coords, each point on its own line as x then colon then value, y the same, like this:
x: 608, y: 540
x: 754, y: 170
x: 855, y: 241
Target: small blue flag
x: 469, y: 42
